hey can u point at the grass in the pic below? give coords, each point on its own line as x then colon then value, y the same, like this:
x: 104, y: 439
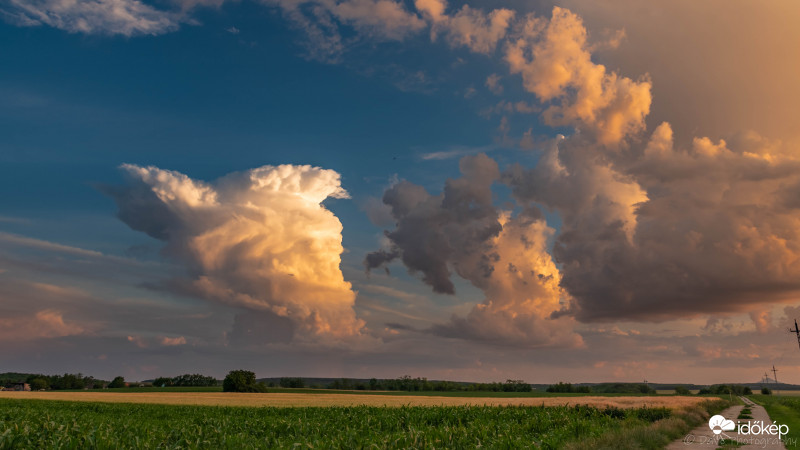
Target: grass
x: 672, y: 391
x: 78, y: 425
x: 655, y: 435
x: 295, y: 399
x: 745, y: 413
x: 729, y: 444
x: 784, y: 410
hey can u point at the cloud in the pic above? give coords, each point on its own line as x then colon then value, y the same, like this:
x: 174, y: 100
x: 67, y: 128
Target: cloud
x: 456, y: 151
x: 172, y: 341
x: 663, y: 231
x: 461, y: 231
x: 15, y: 239
x: 493, y: 83
x: 554, y: 60
x: 377, y: 212
x: 259, y: 239
x: 433, y: 229
x: 714, y: 75
x: 257, y: 328
x: 109, y: 17
x: 468, y: 27
x: 522, y: 292
x: 762, y: 320
x: 40, y: 311
x: 322, y: 21
x: 384, y: 18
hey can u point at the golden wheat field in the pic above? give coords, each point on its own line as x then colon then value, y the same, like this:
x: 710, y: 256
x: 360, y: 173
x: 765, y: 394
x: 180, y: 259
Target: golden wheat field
x: 305, y: 399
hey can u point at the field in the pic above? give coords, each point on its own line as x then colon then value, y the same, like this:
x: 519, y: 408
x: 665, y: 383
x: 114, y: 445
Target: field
x: 672, y: 391
x: 784, y: 410
x: 788, y: 393
x: 26, y: 423
x: 342, y: 399
x: 500, y: 394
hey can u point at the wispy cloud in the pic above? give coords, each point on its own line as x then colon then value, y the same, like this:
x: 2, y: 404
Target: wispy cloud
x: 456, y: 151
x: 109, y: 17
x: 18, y: 220
x: 40, y: 244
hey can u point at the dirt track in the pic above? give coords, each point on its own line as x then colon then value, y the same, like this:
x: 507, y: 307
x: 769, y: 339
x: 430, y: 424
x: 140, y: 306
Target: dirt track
x: 289, y: 399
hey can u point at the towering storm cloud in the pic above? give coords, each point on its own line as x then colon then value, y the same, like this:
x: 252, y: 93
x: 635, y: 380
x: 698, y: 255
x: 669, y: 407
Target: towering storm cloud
x: 506, y: 257
x: 453, y: 229
x: 665, y: 232
x: 649, y: 229
x: 259, y: 239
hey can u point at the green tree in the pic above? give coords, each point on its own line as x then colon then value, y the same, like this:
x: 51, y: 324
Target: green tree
x: 38, y: 384
x: 764, y: 391
x: 292, y: 382
x: 242, y: 381
x: 561, y: 387
x: 162, y: 382
x: 682, y: 390
x: 117, y: 382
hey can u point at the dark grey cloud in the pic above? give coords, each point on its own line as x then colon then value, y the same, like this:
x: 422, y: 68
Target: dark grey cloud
x: 436, y: 233
x: 660, y: 232
x: 461, y: 231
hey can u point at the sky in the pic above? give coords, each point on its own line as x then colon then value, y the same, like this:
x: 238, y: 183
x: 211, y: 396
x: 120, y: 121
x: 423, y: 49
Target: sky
x: 571, y: 191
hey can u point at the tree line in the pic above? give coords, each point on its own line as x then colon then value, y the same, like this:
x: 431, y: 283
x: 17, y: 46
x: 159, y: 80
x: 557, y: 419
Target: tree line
x: 39, y: 382
x: 407, y: 383
x: 186, y: 380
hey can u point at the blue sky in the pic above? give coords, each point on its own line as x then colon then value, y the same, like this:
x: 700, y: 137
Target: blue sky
x: 232, y: 86
x: 207, y: 102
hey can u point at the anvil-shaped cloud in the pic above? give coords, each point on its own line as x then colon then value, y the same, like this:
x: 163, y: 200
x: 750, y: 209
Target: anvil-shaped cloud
x: 259, y: 239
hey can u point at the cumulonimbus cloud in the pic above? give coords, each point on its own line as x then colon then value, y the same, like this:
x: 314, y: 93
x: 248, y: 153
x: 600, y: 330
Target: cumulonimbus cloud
x: 649, y: 230
x: 713, y: 229
x: 506, y: 257
x: 259, y: 239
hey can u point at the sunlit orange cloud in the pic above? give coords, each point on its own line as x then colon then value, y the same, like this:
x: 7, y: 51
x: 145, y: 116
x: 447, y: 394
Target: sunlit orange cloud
x: 719, y: 67
x: 554, y: 59
x: 47, y: 323
x: 259, y: 239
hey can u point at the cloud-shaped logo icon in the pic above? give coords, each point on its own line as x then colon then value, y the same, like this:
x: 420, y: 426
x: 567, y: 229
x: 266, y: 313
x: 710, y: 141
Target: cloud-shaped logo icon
x: 718, y: 424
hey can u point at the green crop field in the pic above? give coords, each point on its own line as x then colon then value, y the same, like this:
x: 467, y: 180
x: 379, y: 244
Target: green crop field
x: 78, y: 425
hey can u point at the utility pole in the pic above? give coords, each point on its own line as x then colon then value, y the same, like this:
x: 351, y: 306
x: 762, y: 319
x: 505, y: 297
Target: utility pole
x: 775, y: 378
x: 796, y: 331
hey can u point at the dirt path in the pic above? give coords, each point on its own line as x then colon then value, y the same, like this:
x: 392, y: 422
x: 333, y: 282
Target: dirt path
x: 291, y: 399
x: 704, y: 437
